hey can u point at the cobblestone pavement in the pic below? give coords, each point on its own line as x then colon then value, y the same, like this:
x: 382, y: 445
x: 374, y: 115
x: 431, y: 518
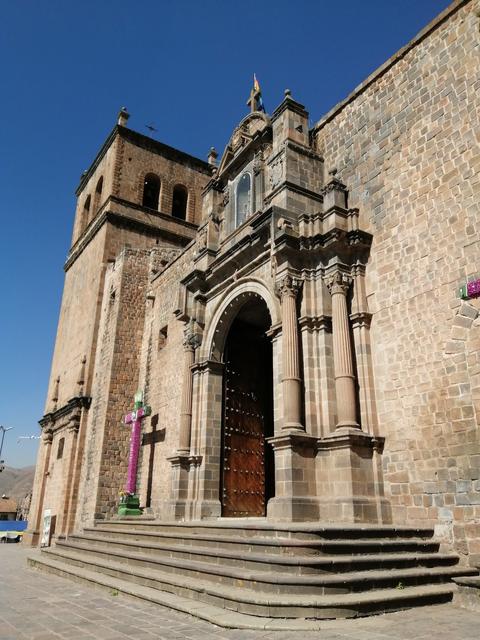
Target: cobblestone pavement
x: 45, y: 607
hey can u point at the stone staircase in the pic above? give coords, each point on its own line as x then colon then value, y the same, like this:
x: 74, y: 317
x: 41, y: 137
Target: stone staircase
x: 253, y: 574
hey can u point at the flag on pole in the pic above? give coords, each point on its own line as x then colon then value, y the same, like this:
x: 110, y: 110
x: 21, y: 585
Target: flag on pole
x: 258, y: 94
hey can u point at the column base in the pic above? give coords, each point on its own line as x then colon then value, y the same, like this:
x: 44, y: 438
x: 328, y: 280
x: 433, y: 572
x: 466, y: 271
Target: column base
x: 130, y: 506
x: 293, y: 509
x: 31, y: 538
x: 295, y: 485
x: 179, y: 506
x: 348, y: 488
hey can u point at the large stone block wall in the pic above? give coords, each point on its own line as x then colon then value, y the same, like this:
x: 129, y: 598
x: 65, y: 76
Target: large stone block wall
x: 406, y: 144
x: 115, y: 383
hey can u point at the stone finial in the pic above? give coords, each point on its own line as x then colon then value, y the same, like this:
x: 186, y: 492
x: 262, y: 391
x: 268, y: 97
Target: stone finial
x: 288, y: 93
x: 55, y: 393
x: 123, y: 117
x: 212, y: 156
x: 81, y: 377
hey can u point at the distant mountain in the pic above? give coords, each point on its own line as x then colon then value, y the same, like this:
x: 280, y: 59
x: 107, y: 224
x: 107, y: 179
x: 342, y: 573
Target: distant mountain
x: 16, y: 483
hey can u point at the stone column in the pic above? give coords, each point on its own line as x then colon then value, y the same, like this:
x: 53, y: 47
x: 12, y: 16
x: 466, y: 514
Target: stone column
x: 190, y: 343
x: 47, y: 439
x: 338, y: 284
x: 69, y: 489
x: 291, y: 382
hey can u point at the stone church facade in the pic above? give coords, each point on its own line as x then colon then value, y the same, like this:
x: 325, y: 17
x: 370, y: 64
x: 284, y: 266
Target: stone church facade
x: 291, y: 312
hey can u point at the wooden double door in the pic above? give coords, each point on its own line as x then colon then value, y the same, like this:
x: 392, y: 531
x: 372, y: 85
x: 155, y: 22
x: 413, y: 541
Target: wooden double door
x: 247, y: 459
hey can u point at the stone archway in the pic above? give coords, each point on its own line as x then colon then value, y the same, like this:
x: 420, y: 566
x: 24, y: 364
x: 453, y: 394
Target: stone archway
x: 239, y: 293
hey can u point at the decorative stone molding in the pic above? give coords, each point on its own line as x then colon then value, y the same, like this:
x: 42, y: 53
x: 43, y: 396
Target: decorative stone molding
x: 47, y: 435
x: 257, y: 163
x: 275, y: 173
x: 316, y: 323
x: 62, y: 417
x: 333, y: 185
x: 361, y: 319
x: 191, y: 339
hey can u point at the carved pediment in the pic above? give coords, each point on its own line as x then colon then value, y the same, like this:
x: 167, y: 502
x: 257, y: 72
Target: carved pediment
x: 248, y: 129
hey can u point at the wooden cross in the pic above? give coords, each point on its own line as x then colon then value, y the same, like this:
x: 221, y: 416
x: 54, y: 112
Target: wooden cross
x: 135, y: 417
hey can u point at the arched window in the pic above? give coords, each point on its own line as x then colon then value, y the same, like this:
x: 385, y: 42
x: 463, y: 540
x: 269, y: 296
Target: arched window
x: 98, y: 194
x: 151, y: 191
x: 244, y: 199
x: 85, y: 219
x: 179, y: 202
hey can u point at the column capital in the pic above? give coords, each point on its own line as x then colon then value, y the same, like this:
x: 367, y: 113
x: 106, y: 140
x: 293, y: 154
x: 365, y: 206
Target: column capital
x: 338, y: 282
x: 288, y: 286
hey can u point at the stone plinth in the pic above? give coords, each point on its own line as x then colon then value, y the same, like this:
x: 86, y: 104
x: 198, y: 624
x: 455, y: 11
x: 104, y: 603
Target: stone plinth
x: 346, y: 480
x: 295, y: 498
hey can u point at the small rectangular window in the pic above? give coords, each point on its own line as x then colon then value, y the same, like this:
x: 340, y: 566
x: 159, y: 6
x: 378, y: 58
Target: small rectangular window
x: 61, y: 445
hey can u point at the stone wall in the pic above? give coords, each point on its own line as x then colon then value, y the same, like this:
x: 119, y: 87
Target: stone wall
x: 406, y: 144
x: 115, y: 383
x: 78, y: 319
x: 162, y: 377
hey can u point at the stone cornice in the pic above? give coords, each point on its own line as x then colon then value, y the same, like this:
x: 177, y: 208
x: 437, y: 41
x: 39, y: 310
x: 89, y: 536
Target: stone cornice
x: 143, y: 141
x: 125, y: 221
x: 348, y: 238
x: 50, y: 420
x: 361, y: 319
x: 212, y: 366
x: 286, y: 184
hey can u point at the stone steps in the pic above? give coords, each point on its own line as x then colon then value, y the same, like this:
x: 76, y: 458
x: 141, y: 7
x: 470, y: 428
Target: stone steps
x: 263, y: 570
x: 267, y: 581
x: 252, y: 527
x: 271, y: 545
x: 238, y: 607
x: 257, y: 560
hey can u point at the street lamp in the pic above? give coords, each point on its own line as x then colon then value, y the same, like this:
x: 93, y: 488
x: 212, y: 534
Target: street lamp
x: 3, y: 430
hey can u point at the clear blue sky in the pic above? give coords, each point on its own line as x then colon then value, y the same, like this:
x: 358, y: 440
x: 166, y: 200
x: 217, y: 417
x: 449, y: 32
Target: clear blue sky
x: 186, y: 67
